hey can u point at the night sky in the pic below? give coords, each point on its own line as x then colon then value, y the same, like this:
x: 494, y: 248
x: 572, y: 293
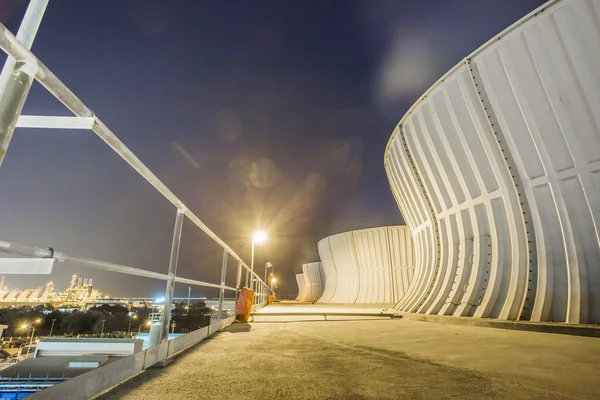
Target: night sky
x: 257, y: 114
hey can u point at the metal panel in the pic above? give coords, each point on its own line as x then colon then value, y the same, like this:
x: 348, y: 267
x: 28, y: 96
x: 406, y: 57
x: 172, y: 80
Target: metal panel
x: 313, y: 276
x: 36, y: 121
x: 26, y: 266
x: 302, y: 291
x: 371, y: 265
x: 504, y: 151
x: 342, y: 248
x: 329, y: 270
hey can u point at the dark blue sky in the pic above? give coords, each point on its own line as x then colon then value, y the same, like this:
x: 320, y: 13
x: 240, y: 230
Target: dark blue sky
x: 270, y: 114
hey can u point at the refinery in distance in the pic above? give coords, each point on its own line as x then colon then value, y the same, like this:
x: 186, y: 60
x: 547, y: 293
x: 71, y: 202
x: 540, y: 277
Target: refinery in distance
x: 79, y: 293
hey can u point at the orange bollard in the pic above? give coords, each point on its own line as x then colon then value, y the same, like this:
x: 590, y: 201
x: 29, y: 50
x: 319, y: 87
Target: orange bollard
x: 243, y: 306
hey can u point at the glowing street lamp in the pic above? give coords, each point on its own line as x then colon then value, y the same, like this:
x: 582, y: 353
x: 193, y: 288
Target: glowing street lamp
x: 134, y: 316
x: 258, y: 237
x: 148, y: 324
x: 32, y: 330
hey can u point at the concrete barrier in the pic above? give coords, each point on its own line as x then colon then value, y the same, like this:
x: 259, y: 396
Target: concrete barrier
x: 102, y: 378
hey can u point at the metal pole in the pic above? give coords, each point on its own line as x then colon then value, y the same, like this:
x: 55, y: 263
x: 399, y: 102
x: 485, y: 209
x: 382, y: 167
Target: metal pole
x: 16, y: 77
x: 261, y: 294
x: 267, y: 266
x: 222, y: 290
x: 40, y: 252
x: 102, y: 330
x: 31, y: 341
x: 189, y: 294
x: 238, y: 285
x: 166, y: 317
x: 52, y: 328
x: 248, y: 273
x: 129, y: 329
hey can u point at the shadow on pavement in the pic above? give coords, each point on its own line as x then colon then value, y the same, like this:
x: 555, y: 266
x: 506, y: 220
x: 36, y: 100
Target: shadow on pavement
x: 238, y: 327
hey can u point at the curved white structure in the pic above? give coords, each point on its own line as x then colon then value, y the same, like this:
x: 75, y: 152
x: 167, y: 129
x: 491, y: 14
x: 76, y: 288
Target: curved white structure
x: 496, y: 170
x: 301, y: 287
x: 367, y: 266
x: 313, y: 277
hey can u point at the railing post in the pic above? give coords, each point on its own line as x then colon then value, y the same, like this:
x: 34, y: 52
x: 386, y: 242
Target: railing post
x: 238, y: 286
x: 16, y: 77
x: 222, y: 290
x: 166, y: 317
x: 262, y: 294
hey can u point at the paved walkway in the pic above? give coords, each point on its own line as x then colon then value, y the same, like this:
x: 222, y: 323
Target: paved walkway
x: 375, y: 359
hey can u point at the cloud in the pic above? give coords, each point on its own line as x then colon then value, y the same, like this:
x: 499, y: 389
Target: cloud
x: 418, y: 44
x: 408, y: 67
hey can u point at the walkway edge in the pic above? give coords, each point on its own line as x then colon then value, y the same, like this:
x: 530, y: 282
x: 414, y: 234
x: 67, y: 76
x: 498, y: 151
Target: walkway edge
x: 543, y: 327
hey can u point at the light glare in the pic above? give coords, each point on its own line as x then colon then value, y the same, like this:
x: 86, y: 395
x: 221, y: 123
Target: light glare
x: 259, y: 237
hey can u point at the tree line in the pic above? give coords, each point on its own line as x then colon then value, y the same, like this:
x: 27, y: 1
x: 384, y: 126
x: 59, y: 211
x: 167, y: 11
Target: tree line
x: 116, y: 319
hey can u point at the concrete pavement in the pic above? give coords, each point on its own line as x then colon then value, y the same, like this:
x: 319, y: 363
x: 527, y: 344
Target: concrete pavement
x: 352, y: 358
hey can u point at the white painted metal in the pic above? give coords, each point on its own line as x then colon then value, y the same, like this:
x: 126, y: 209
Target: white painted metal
x: 17, y: 77
x: 51, y: 255
x: 367, y: 266
x: 38, y: 121
x: 496, y: 171
x: 301, y: 287
x: 63, y: 347
x: 313, y: 277
x: 26, y: 266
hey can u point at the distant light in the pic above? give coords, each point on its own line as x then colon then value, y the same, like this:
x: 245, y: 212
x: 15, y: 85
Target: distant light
x: 24, y: 326
x: 160, y: 300
x: 273, y: 280
x: 38, y: 320
x: 149, y: 323
x: 259, y: 237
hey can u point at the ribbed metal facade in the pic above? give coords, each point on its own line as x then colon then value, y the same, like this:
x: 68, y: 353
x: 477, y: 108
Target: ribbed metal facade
x: 367, y: 266
x: 301, y: 287
x: 313, y: 277
x: 496, y: 170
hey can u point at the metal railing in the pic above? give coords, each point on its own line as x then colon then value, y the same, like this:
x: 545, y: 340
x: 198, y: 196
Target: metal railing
x: 21, y: 68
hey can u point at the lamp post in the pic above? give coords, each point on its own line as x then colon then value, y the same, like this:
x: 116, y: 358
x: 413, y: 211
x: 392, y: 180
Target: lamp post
x: 102, y: 331
x: 130, y: 319
x: 31, y: 340
x: 188, y: 305
x: 52, y: 328
x: 257, y: 238
x: 30, y: 326
x: 267, y: 266
x: 273, y: 281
